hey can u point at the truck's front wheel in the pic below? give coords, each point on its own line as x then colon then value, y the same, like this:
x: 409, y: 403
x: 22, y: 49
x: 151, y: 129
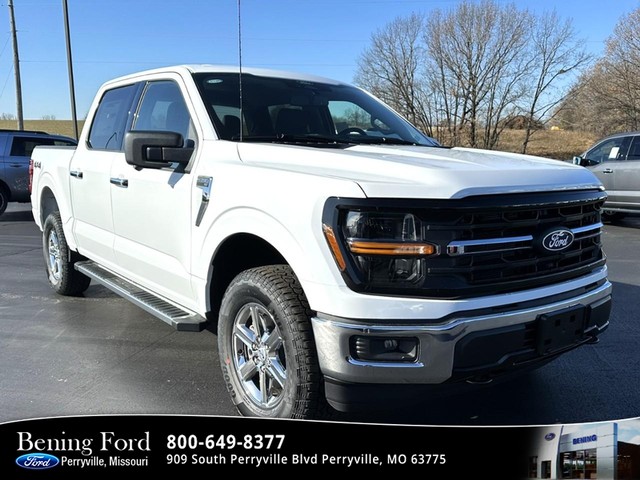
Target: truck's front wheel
x: 59, y: 260
x: 266, y: 345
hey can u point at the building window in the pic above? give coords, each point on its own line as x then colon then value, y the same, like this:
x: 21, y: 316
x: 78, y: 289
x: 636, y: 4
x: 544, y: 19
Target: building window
x: 533, y: 467
x: 579, y: 464
x: 545, y: 468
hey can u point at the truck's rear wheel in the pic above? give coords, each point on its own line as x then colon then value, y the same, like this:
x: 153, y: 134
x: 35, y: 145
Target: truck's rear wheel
x: 59, y: 260
x: 266, y: 345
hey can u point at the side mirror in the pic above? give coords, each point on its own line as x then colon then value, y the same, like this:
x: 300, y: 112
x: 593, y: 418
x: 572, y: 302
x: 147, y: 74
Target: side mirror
x: 584, y: 162
x: 152, y: 149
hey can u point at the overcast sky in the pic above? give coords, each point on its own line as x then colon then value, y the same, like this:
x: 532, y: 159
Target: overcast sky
x: 115, y: 37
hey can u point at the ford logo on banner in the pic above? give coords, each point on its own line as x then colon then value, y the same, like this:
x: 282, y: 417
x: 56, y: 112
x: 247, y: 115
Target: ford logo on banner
x: 549, y: 436
x: 37, y: 461
x: 557, y: 240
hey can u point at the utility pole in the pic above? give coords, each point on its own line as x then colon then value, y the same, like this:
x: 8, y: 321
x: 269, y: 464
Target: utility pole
x: 72, y: 89
x: 16, y: 66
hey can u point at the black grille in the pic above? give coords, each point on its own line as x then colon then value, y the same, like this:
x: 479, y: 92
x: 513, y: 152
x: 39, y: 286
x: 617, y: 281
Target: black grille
x: 513, y: 227
x: 517, y: 265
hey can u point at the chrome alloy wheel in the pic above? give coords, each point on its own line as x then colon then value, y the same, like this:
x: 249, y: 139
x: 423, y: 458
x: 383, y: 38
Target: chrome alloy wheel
x: 259, y: 357
x: 55, y: 259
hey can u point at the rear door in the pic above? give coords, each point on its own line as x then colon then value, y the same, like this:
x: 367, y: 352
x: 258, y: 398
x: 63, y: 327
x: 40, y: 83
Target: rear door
x: 627, y: 178
x: 90, y: 173
x: 609, y: 155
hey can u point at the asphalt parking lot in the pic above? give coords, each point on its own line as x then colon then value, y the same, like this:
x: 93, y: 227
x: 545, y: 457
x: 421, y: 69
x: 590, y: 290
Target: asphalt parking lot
x: 100, y: 354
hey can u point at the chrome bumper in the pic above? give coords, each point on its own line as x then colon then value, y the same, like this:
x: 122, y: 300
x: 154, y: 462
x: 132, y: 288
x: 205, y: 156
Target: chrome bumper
x: 437, y: 342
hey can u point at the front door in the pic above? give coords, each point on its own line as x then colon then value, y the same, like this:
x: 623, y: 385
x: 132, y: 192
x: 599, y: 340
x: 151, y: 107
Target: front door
x: 608, y: 156
x: 152, y: 207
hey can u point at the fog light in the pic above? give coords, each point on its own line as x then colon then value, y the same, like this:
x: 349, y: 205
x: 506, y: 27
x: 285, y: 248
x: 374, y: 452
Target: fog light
x: 384, y: 349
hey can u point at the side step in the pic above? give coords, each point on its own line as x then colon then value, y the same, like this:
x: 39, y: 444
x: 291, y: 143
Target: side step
x: 179, y: 318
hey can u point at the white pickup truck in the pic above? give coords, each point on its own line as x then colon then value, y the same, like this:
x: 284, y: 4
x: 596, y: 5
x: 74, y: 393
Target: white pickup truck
x: 342, y: 255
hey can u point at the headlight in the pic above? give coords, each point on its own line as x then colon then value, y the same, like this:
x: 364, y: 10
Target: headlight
x: 387, y: 249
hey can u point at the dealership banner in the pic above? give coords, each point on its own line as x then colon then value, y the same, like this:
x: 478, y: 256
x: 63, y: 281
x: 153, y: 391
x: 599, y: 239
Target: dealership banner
x: 108, y: 445
x: 98, y: 446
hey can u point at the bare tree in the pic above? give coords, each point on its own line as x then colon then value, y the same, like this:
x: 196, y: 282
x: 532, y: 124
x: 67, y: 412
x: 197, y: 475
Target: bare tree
x: 555, y: 52
x: 477, y: 51
x: 606, y: 98
x: 460, y: 74
x: 391, y: 69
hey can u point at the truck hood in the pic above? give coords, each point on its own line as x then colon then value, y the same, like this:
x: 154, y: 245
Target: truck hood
x: 423, y: 172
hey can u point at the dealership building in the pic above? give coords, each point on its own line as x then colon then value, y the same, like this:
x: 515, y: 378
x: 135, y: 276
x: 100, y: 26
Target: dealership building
x: 583, y: 451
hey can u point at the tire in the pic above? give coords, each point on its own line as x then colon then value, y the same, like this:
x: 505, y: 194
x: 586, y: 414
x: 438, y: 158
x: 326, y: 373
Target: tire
x: 611, y: 217
x: 4, y: 199
x: 271, y: 372
x: 59, y: 260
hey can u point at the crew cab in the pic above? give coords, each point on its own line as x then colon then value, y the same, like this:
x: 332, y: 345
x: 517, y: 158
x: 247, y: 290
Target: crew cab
x: 341, y: 255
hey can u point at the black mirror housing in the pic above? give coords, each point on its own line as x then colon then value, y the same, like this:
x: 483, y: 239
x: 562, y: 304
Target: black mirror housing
x: 154, y: 149
x: 584, y: 162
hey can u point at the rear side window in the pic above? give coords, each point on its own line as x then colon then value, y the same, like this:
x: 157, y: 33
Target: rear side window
x: 23, y: 146
x: 107, y: 130
x: 634, y: 150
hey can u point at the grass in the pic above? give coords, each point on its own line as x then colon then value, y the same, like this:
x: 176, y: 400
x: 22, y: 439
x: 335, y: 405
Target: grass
x: 558, y: 144
x: 60, y: 127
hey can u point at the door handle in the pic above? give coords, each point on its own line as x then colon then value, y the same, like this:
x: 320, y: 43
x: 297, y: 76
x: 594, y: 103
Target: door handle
x: 76, y: 173
x: 607, y: 170
x: 17, y: 165
x: 119, y: 182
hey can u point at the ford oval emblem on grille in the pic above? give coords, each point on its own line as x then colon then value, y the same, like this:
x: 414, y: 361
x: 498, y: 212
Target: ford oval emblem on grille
x: 558, y: 240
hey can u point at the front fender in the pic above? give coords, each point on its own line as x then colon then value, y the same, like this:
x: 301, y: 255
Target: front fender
x: 308, y: 259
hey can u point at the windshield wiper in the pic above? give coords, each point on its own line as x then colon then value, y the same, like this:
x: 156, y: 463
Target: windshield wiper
x: 287, y: 138
x: 386, y: 141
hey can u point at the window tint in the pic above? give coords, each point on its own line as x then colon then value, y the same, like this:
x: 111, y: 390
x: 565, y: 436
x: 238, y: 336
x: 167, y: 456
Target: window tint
x: 23, y: 146
x: 109, y: 122
x: 163, y: 109
x: 613, y: 149
x: 634, y: 150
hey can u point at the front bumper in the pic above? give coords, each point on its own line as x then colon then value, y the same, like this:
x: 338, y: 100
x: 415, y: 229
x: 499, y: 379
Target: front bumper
x: 467, y: 346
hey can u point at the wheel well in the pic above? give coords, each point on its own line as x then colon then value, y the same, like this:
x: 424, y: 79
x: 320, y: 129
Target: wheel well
x: 48, y: 204
x: 238, y: 253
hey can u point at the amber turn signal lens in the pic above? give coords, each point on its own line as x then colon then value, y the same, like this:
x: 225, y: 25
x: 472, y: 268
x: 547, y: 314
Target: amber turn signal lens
x: 390, y: 248
x: 333, y: 245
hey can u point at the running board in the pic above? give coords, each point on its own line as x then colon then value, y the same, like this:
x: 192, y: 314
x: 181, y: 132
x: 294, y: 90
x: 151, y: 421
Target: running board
x: 178, y: 317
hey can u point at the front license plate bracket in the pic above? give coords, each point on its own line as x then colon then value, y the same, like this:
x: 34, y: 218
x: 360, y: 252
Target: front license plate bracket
x: 560, y: 329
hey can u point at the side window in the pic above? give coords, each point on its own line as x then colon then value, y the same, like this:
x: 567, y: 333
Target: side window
x: 23, y: 146
x: 107, y: 130
x: 351, y: 118
x: 634, y: 150
x: 163, y: 109
x: 609, y: 150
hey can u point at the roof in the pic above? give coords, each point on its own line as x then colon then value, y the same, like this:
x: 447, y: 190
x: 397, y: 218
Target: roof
x: 206, y: 68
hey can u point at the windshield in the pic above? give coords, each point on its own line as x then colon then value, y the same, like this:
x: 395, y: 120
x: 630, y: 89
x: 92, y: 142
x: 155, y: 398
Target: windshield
x: 298, y: 111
